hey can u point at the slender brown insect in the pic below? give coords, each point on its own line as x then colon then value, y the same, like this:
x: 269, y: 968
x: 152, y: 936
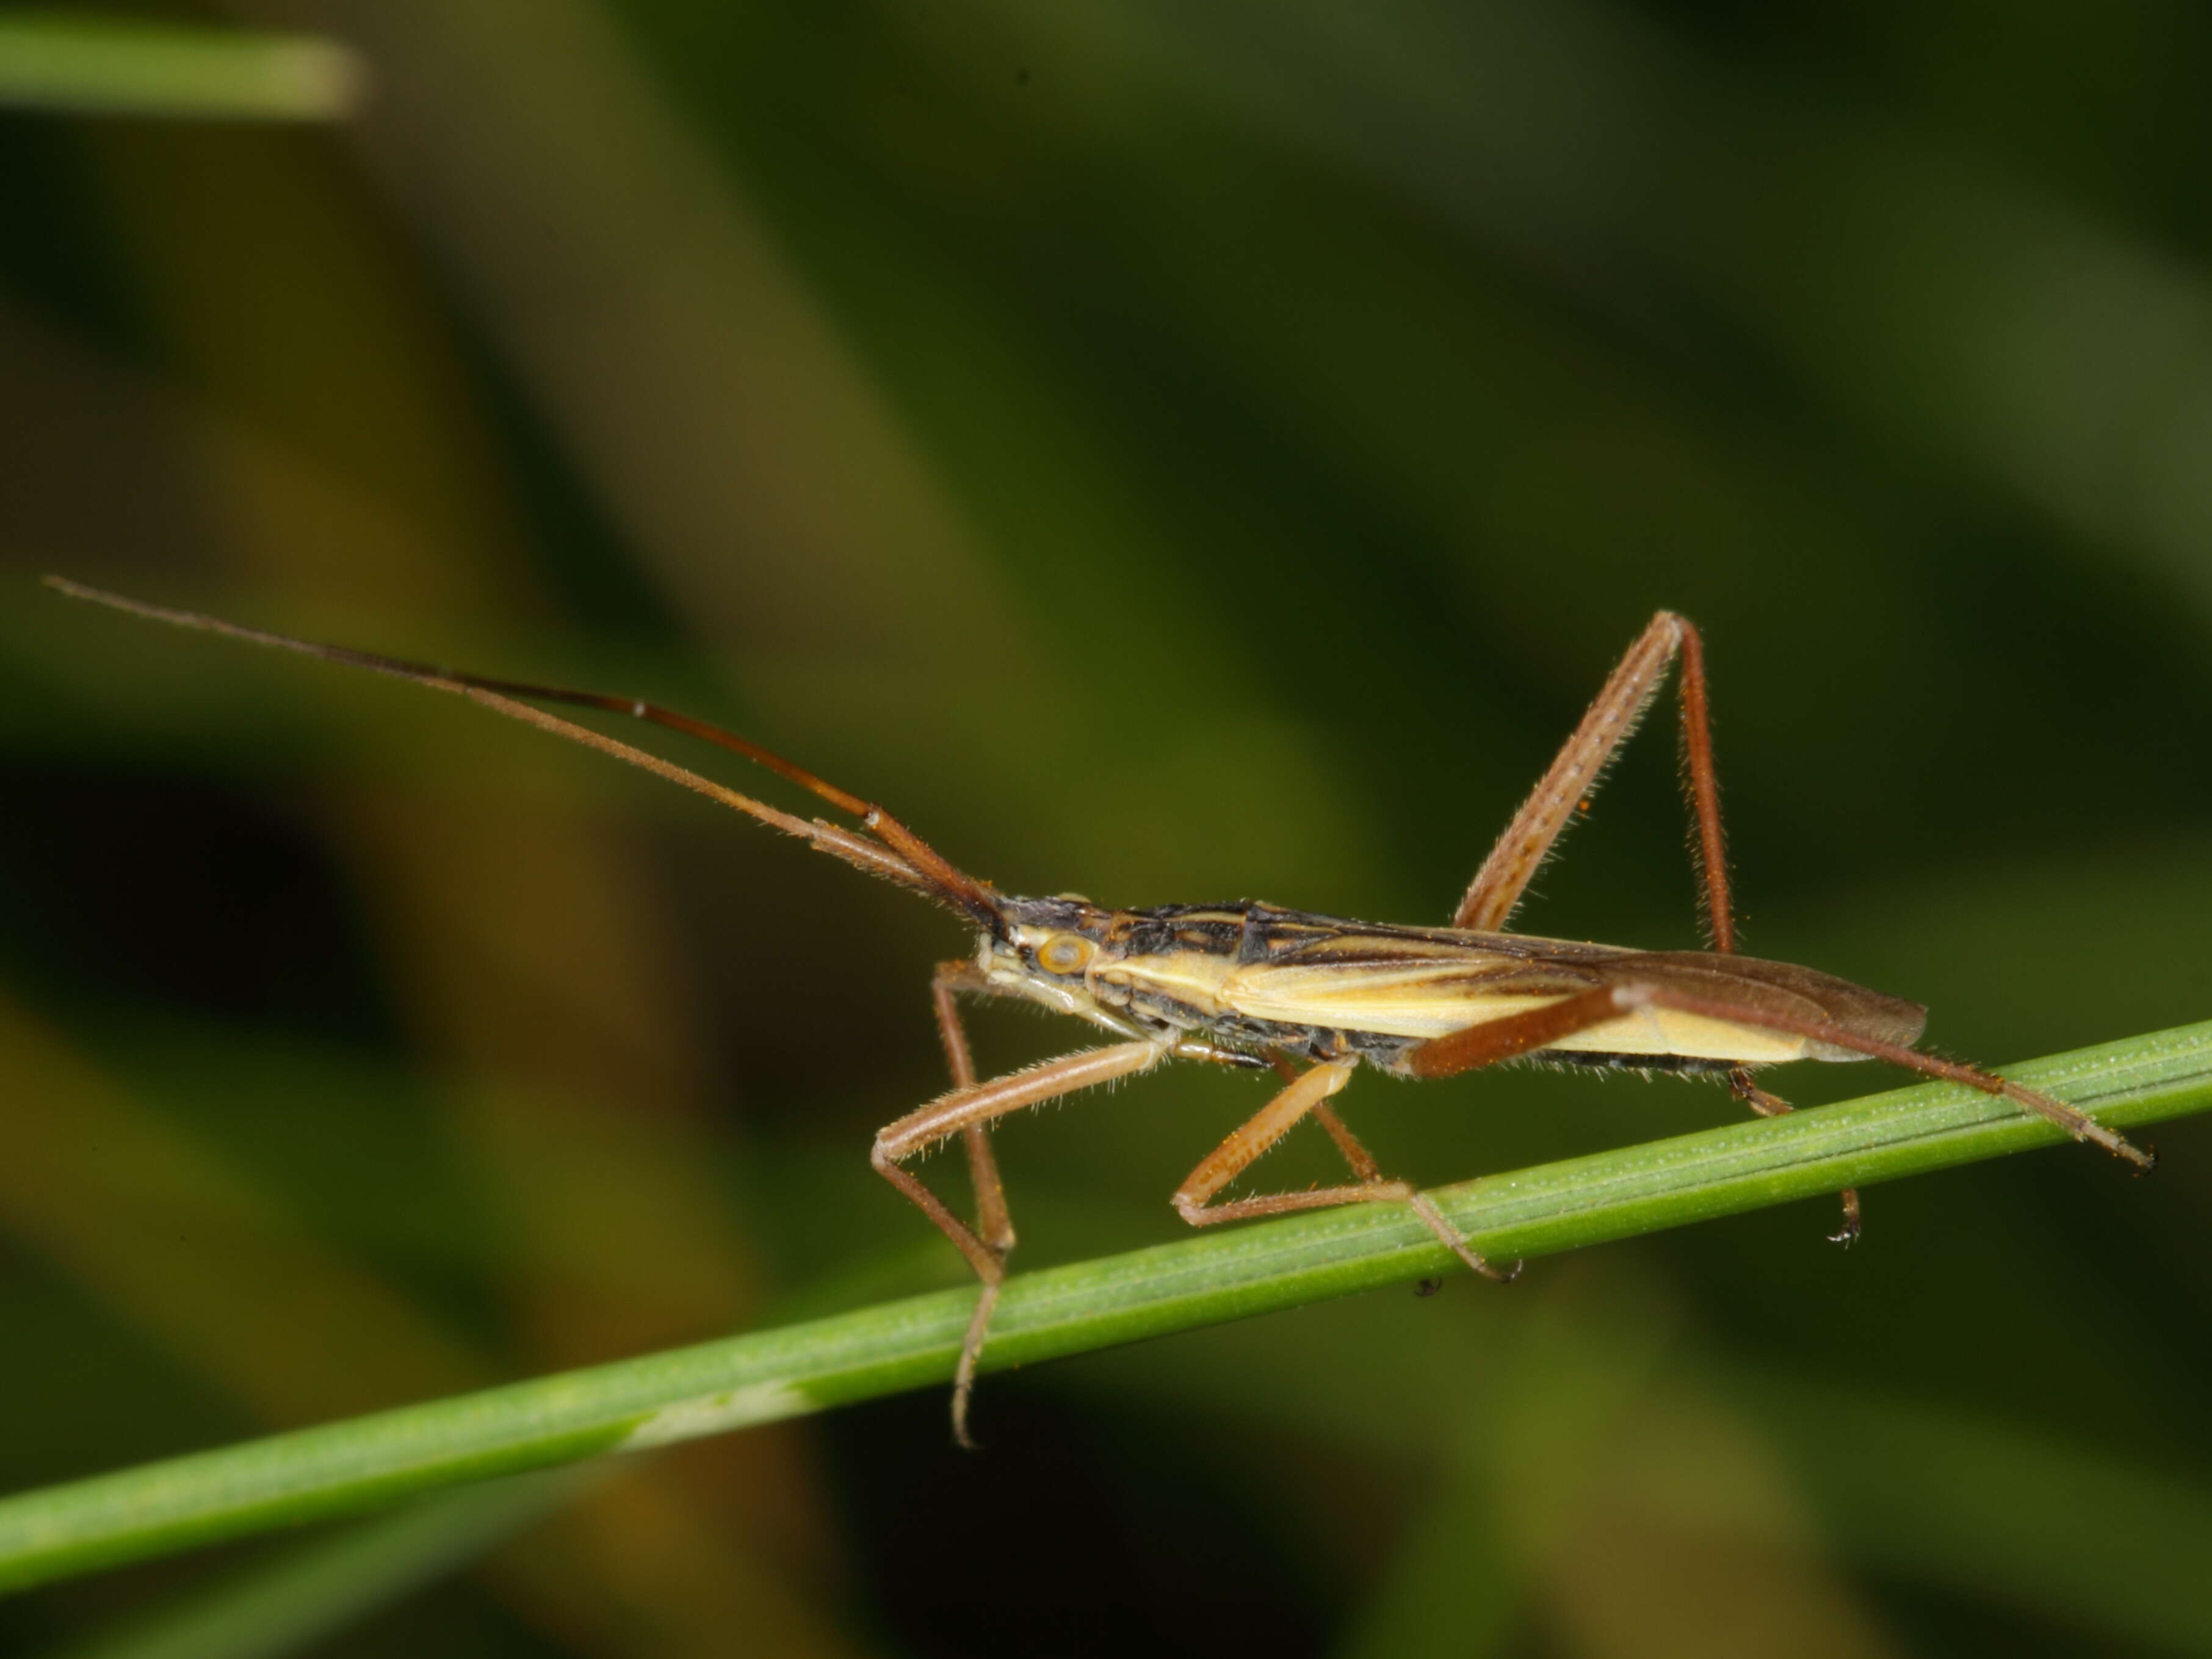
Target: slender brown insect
x: 1252, y: 985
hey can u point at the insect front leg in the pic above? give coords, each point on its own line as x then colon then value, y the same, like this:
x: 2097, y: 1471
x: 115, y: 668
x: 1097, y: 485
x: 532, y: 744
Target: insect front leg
x: 994, y: 1225
x: 971, y: 1108
x: 1308, y: 1095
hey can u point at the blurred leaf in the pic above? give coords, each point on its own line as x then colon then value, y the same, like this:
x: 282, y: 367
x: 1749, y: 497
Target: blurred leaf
x: 281, y: 1607
x: 2029, y: 1515
x: 91, y: 66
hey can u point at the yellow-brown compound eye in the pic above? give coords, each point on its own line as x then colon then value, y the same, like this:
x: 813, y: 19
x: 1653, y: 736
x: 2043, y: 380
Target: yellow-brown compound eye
x: 1065, y: 953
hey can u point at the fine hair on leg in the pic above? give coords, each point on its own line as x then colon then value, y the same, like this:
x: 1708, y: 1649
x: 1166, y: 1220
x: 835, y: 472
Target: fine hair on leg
x: 1565, y: 788
x: 1307, y: 1095
x: 973, y: 1107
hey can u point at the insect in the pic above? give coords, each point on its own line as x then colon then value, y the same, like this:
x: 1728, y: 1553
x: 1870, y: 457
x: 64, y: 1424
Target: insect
x: 1311, y: 998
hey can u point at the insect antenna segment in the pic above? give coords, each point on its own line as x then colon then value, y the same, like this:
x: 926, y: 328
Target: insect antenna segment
x: 891, y: 850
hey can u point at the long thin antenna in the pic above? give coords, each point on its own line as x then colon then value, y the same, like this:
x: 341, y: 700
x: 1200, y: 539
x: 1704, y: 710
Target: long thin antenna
x: 906, y: 859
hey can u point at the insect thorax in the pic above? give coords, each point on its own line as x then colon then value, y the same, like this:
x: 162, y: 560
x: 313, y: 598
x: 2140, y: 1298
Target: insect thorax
x: 1164, y: 972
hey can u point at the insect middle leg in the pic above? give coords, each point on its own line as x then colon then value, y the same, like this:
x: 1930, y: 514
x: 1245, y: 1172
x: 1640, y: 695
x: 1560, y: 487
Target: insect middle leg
x: 1309, y: 1094
x: 965, y: 1111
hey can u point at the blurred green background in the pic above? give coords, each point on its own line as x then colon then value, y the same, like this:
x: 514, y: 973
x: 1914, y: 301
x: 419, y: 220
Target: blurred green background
x: 1174, y: 452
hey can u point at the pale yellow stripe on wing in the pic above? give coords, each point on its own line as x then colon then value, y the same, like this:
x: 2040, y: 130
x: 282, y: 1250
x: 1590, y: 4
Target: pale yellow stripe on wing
x: 1662, y: 1031
x: 1417, y: 1001
x: 1193, y: 978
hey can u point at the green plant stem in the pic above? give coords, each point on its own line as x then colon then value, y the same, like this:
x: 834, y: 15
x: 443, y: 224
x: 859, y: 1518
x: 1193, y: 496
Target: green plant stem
x: 717, y: 1385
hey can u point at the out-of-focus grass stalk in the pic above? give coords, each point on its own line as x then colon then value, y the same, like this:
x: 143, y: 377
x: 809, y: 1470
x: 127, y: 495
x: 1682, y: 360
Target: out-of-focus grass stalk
x: 103, y: 66
x: 281, y: 1607
x: 717, y: 1385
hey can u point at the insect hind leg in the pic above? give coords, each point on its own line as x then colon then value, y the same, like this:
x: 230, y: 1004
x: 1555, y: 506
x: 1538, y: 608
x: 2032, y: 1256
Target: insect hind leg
x: 1767, y: 1105
x: 1566, y: 785
x: 2078, y: 1124
x: 1526, y: 1033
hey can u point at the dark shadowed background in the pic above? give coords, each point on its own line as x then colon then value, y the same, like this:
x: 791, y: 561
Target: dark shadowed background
x: 1172, y: 452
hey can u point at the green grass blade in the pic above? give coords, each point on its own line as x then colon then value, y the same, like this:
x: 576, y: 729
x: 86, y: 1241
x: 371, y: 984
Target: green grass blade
x: 103, y: 66
x: 728, y: 1384
x: 282, y: 1607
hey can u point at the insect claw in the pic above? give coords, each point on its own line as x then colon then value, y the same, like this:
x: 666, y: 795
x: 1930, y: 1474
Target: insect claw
x: 1427, y: 1287
x: 1848, y: 1234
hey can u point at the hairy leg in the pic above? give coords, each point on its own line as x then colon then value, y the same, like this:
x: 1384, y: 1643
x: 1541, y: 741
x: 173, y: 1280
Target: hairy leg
x: 971, y: 1108
x: 1308, y: 1095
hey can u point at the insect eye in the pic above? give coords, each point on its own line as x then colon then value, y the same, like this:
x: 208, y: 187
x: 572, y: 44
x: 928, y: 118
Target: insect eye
x: 1065, y: 953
